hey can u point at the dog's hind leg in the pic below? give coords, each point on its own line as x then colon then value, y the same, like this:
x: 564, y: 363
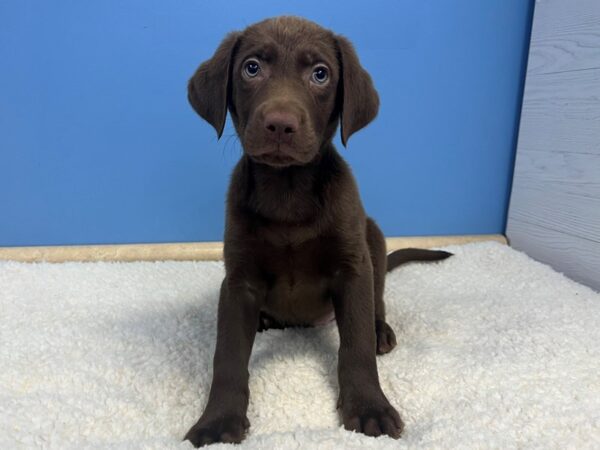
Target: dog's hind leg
x: 386, y: 339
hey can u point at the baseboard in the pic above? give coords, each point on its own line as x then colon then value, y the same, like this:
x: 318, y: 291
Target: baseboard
x: 192, y: 251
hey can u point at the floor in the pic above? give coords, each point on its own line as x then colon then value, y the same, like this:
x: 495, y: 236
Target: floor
x: 495, y: 350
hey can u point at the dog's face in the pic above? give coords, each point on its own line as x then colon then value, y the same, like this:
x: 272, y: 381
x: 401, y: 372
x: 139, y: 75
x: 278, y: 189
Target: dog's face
x: 286, y: 82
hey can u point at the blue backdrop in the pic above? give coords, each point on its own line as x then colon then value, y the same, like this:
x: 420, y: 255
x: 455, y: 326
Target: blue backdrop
x: 99, y: 145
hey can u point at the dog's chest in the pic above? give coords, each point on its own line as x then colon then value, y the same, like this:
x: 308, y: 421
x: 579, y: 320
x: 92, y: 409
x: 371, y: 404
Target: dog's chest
x: 299, y: 280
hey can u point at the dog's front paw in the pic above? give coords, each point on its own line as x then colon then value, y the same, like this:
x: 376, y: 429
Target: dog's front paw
x: 372, y: 418
x: 226, y: 428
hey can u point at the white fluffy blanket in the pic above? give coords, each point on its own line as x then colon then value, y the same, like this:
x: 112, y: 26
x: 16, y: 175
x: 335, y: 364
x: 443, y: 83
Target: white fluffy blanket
x: 495, y: 351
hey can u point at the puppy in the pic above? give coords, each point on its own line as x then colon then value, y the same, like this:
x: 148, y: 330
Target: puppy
x: 299, y: 248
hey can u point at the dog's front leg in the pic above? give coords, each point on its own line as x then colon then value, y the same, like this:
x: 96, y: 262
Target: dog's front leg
x: 363, y: 404
x: 224, y: 418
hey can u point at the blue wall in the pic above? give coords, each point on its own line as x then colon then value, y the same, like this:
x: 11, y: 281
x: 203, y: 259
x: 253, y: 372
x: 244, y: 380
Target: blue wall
x: 99, y: 145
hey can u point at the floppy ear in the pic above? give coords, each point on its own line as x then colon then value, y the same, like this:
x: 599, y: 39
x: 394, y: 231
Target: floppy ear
x: 209, y: 88
x: 360, y: 101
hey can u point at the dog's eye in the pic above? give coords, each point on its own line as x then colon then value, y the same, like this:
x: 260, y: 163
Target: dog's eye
x: 320, y: 74
x: 251, y: 68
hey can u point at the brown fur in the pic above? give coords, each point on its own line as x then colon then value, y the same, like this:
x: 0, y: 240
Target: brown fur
x: 298, y: 244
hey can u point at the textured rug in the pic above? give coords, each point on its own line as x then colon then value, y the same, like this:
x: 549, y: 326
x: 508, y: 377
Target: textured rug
x: 495, y: 351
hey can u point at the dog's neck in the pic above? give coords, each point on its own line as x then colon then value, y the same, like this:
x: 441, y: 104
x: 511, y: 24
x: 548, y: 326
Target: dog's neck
x: 289, y: 194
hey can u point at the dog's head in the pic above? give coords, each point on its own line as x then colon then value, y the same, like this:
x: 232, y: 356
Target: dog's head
x: 286, y: 82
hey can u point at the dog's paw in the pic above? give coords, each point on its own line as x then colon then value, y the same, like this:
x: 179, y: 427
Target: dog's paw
x: 373, y: 419
x: 266, y: 322
x: 228, y: 428
x: 386, y: 339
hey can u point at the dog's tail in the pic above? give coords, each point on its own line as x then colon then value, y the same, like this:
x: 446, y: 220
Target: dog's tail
x: 406, y: 255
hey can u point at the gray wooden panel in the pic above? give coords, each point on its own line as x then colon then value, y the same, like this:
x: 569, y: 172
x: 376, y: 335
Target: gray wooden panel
x: 561, y: 112
x: 577, y: 258
x: 565, y: 36
x: 549, y: 205
x: 571, y: 173
x: 554, y: 213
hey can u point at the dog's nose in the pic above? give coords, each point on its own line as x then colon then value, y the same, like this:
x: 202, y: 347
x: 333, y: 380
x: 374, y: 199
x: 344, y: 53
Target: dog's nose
x: 281, y: 125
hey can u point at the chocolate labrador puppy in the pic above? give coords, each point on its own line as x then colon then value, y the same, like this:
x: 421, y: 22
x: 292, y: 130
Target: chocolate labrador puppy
x: 299, y: 248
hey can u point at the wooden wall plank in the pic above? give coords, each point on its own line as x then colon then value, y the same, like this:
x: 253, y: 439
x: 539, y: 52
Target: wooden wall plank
x: 565, y: 36
x: 576, y: 257
x: 572, y: 173
x: 561, y: 112
x: 551, y: 206
x: 195, y: 251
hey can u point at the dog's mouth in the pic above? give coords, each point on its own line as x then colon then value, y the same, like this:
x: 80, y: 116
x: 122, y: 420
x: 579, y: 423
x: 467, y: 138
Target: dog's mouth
x: 276, y: 159
x: 276, y: 155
